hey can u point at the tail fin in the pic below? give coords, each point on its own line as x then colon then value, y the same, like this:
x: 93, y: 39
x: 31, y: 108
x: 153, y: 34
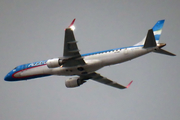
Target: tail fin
x: 157, y: 30
x: 152, y: 39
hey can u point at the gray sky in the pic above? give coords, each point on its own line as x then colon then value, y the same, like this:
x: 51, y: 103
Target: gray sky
x: 34, y: 30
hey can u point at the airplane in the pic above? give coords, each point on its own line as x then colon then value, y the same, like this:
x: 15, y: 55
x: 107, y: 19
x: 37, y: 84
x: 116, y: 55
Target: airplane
x: 84, y: 66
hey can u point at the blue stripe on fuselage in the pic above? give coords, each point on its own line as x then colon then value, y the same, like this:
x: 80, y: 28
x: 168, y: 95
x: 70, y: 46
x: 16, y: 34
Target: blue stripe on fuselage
x: 34, y: 64
x: 10, y: 77
x: 29, y: 65
x: 104, y: 51
x: 39, y: 63
x: 19, y: 68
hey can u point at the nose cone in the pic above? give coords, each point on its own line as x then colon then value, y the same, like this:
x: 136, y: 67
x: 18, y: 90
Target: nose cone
x: 8, y: 77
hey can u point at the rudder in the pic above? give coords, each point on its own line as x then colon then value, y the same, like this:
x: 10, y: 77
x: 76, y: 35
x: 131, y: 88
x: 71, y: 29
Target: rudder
x: 157, y: 30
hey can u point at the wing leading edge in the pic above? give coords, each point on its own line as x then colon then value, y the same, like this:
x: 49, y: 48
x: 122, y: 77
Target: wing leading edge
x: 101, y: 79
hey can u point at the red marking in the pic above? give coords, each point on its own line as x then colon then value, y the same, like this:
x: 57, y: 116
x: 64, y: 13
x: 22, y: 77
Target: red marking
x: 27, y: 69
x: 72, y: 23
x: 129, y: 84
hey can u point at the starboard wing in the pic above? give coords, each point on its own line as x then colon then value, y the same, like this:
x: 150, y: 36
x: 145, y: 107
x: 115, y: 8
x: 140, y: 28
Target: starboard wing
x: 71, y: 50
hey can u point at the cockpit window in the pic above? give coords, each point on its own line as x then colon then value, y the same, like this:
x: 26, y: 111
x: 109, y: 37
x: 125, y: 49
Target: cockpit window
x: 15, y: 68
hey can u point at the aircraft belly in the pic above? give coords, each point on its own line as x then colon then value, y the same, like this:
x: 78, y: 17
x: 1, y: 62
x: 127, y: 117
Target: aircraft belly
x: 90, y: 66
x: 93, y: 63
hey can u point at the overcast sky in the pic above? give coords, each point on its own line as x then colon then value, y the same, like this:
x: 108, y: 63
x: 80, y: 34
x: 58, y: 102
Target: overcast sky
x: 33, y: 30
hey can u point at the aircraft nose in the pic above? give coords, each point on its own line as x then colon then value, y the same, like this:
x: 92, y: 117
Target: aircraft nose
x: 8, y: 77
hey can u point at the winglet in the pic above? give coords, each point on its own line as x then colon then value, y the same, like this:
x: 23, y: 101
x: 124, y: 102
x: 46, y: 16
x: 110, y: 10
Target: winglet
x: 129, y: 84
x: 72, y: 23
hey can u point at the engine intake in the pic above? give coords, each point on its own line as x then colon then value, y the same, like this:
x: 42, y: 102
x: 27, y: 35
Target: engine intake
x: 55, y: 62
x: 74, y: 82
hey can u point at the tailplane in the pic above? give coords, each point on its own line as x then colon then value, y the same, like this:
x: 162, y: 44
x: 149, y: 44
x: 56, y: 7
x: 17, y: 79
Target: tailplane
x: 161, y: 51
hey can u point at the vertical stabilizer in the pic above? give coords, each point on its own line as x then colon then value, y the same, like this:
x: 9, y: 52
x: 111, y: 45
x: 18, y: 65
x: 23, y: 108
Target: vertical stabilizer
x: 157, y: 30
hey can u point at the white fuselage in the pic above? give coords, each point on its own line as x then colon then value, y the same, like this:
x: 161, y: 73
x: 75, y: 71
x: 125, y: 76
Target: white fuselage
x: 93, y: 62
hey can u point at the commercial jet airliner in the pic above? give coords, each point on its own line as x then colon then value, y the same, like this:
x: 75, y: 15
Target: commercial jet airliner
x: 84, y: 66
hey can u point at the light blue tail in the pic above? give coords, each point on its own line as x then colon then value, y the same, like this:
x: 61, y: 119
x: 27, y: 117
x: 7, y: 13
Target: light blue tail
x: 157, y: 29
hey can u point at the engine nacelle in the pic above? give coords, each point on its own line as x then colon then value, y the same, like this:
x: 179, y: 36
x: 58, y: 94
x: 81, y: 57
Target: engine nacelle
x: 74, y: 82
x: 55, y: 62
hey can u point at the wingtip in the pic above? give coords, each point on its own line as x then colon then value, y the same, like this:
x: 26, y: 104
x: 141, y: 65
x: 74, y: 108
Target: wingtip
x: 72, y: 22
x: 129, y: 84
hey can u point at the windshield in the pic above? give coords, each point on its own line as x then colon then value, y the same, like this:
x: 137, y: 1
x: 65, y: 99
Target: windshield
x: 15, y: 67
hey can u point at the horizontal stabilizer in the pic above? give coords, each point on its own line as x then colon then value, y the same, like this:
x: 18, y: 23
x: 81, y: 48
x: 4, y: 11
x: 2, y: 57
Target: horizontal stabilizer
x: 161, y: 51
x: 150, y: 40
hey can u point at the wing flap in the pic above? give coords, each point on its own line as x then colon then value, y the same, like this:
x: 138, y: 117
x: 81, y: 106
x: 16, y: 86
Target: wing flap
x: 72, y: 42
x: 74, y: 51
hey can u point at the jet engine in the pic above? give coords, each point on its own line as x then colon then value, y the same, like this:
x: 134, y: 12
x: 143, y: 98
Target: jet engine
x: 74, y: 82
x: 55, y: 62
